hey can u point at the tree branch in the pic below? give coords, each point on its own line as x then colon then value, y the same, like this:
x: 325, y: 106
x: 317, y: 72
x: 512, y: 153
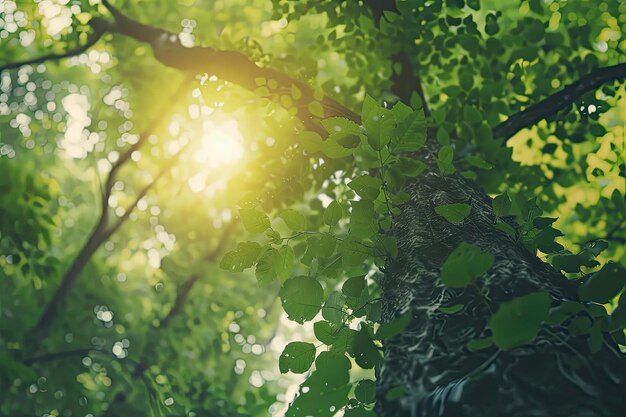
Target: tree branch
x: 407, y: 81
x: 49, y: 357
x: 229, y: 66
x: 99, y: 234
x: 100, y: 28
x: 184, y: 289
x: 154, y: 123
x: 561, y: 100
x: 182, y: 293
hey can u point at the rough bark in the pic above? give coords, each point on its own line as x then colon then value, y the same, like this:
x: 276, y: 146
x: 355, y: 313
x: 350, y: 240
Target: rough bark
x: 556, y: 375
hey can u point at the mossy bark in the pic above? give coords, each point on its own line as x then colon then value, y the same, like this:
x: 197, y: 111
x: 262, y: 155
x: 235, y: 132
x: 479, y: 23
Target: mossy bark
x: 555, y: 375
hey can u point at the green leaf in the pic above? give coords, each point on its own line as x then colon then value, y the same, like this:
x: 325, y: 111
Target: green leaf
x: 464, y: 264
x: 466, y: 78
x: 453, y: 309
x: 395, y: 393
x: 311, y: 141
x: 410, y: 133
x: 347, y: 141
x: 333, y: 149
x: 325, y: 332
x: 544, y: 240
x: 362, y: 219
x: 501, y: 205
x: 491, y: 25
x: 534, y: 30
x: 321, y: 246
x: 342, y: 131
x: 410, y: 167
x: 365, y: 391
x: 294, y: 220
x: 333, y: 367
x: 394, y: 327
x: 370, y: 107
x: 445, y: 157
x: 379, y: 128
x: 472, y: 116
x: 617, y: 320
x: 340, y: 125
x: 275, y: 264
x: 297, y: 357
x: 366, y: 353
x: 242, y: 258
x: 603, y: 285
x: 295, y: 92
x: 543, y: 222
x: 345, y: 341
x: 506, y: 228
x: 517, y: 322
x: 359, y: 412
x: 564, y: 311
x: 301, y: 298
x: 416, y: 100
x: 401, y: 111
x: 443, y: 137
x: 478, y: 162
x: 354, y: 251
x: 367, y: 187
x: 386, y: 246
x: 353, y: 287
x: 326, y: 390
x: 586, y: 257
x: 454, y: 213
x: 333, y: 213
x: 479, y: 344
x: 619, y: 201
x: 254, y: 220
x: 316, y: 109
x: 333, y: 308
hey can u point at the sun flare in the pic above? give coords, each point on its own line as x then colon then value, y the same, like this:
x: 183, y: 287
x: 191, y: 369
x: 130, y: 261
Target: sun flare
x: 222, y: 144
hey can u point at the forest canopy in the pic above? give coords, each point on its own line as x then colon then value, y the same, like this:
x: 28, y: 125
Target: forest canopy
x: 312, y: 208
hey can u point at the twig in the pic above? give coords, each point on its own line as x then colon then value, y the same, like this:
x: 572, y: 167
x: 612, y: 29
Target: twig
x: 229, y: 66
x: 49, y: 357
x: 99, y: 234
x: 99, y: 29
x: 407, y: 80
x: 558, y: 101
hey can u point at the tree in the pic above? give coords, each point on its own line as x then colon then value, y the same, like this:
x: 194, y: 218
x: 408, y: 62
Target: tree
x: 439, y: 185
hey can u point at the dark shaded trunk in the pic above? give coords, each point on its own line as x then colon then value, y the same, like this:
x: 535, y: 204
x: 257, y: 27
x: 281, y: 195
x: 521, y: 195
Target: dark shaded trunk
x: 555, y: 375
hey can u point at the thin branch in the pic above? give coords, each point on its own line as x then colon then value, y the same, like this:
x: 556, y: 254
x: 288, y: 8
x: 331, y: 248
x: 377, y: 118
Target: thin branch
x: 50, y: 357
x: 611, y: 234
x: 229, y: 66
x: 99, y: 30
x: 99, y: 234
x: 141, y: 194
x: 128, y: 210
x: 182, y: 294
x: 149, y: 130
x: 184, y: 289
x: 559, y: 101
x: 407, y: 81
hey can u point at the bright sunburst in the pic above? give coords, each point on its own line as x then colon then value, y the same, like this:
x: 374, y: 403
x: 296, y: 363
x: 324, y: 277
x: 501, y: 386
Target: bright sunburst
x: 221, y: 144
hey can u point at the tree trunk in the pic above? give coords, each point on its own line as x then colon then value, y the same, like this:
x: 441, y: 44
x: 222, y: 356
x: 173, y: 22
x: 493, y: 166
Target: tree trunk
x: 556, y: 375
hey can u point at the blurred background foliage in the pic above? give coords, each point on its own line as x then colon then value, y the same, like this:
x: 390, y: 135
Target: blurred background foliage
x: 124, y: 343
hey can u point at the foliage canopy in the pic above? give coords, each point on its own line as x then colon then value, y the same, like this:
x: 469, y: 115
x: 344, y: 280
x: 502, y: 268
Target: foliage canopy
x: 181, y: 180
